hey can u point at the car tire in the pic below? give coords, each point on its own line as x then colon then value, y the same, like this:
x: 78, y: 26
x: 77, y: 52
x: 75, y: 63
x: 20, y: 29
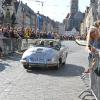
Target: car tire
x: 59, y: 64
x: 56, y: 67
x: 26, y: 66
x: 63, y: 63
x: 66, y: 54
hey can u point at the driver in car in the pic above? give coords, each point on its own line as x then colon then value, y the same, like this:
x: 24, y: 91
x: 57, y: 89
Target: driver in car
x: 42, y: 43
x: 51, y: 44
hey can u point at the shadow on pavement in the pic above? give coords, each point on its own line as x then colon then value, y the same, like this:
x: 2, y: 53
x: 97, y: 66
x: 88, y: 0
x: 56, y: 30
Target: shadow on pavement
x: 66, y: 71
x: 2, y: 66
x: 13, y: 56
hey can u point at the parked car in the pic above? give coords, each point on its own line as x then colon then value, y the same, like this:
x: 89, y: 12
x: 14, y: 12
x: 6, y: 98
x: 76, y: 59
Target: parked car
x: 45, y: 53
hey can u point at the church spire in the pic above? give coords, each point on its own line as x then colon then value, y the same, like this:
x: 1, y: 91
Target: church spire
x: 74, y: 6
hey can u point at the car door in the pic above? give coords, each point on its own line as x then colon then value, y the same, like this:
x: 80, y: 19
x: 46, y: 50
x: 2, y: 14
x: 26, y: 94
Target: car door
x: 63, y: 53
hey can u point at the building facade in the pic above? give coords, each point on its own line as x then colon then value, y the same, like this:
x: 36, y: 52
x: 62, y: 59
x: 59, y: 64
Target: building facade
x: 74, y: 18
x: 18, y: 14
x: 98, y: 10
x: 74, y: 7
x: 92, y: 14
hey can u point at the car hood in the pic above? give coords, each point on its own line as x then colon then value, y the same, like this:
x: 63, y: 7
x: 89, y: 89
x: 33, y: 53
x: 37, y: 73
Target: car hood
x: 48, y: 52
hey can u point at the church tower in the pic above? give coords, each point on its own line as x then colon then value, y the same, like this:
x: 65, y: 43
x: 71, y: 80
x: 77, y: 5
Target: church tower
x: 74, y: 18
x: 74, y: 6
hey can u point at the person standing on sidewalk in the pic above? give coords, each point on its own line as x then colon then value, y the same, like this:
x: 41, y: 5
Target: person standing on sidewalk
x: 92, y: 38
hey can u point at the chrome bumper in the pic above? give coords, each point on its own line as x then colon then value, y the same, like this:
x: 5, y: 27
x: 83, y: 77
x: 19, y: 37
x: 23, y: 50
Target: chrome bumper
x: 38, y: 64
x: 23, y: 61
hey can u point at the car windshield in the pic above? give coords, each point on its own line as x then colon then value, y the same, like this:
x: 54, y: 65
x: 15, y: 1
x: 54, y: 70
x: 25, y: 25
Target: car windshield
x: 46, y: 43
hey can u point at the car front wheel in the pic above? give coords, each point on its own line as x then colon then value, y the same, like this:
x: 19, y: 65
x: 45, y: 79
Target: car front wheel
x: 63, y: 63
x: 26, y: 66
x: 59, y: 64
x: 56, y: 67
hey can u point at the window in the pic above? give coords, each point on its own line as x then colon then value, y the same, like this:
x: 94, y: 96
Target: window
x: 92, y: 1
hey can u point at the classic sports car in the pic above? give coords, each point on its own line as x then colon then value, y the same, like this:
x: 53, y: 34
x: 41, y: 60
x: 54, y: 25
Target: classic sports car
x: 45, y: 53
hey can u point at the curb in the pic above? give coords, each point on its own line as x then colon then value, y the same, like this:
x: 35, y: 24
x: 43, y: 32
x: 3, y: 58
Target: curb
x: 81, y: 42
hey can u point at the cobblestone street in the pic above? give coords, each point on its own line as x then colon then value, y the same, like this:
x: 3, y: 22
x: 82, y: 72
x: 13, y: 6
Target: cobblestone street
x: 44, y: 84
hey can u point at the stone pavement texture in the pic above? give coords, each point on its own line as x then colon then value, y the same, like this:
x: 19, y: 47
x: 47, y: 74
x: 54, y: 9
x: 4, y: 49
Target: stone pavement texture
x: 42, y: 84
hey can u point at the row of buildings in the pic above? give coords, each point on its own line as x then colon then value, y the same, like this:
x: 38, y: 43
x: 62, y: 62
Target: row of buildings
x: 77, y: 22
x: 92, y: 14
x: 73, y: 19
x: 18, y: 14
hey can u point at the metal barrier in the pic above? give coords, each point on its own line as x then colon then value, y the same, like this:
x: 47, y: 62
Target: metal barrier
x: 10, y: 45
x: 95, y: 78
x: 6, y: 45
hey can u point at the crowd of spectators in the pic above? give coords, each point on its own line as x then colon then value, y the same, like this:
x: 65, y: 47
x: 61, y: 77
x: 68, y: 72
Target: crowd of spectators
x: 17, y: 33
x: 81, y: 37
x: 25, y: 33
x: 64, y: 37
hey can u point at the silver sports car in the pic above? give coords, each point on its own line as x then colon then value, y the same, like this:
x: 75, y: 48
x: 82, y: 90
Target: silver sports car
x: 45, y: 53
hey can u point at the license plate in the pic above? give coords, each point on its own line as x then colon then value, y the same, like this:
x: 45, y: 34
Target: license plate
x: 37, y: 58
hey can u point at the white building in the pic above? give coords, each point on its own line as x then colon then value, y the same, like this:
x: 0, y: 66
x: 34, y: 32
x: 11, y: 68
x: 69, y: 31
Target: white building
x: 73, y: 32
x: 61, y: 28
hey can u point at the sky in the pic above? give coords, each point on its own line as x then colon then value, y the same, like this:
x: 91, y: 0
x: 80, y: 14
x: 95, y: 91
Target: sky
x: 55, y: 9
